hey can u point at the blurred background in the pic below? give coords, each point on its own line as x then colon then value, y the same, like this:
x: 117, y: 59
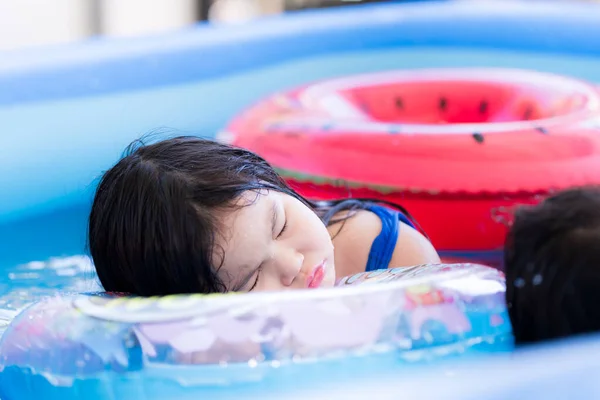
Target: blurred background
x: 25, y: 23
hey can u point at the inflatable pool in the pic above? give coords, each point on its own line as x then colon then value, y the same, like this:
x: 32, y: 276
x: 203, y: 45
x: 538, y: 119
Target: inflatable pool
x: 67, y: 112
x: 453, y: 146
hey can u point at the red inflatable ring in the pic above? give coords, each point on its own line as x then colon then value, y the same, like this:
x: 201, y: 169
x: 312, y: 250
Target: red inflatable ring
x: 459, y: 148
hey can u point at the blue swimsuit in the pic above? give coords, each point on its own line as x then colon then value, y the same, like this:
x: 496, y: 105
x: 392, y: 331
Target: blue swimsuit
x: 385, y: 243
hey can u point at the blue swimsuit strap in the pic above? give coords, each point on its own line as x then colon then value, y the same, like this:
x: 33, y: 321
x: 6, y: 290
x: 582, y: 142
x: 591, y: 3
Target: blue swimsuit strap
x: 384, y: 244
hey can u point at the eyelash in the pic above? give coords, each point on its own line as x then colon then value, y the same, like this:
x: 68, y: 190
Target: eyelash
x: 257, y: 277
x: 283, y: 229
x: 258, y: 271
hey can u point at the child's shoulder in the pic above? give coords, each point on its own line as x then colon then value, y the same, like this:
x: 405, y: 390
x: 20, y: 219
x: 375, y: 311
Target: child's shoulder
x: 353, y: 238
x: 355, y: 224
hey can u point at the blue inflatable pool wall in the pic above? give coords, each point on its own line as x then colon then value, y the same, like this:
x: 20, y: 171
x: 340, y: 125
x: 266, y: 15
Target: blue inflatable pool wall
x: 67, y: 112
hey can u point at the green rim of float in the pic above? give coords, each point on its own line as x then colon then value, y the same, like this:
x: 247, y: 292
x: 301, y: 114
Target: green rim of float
x: 323, y: 180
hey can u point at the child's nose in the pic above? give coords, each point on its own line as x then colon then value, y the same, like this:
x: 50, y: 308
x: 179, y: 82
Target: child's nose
x: 291, y: 267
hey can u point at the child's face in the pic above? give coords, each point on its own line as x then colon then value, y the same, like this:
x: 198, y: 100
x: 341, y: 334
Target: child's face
x: 260, y: 254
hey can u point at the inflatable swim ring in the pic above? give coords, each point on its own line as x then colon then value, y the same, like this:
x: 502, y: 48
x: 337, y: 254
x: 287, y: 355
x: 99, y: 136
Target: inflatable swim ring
x: 103, y: 340
x: 457, y: 147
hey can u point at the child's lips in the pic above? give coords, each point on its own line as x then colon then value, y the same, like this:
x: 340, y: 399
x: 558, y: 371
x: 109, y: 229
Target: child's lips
x: 316, y: 277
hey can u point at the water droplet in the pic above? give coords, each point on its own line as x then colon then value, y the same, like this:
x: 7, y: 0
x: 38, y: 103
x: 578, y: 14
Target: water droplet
x: 35, y: 265
x: 519, y: 282
x: 537, y: 279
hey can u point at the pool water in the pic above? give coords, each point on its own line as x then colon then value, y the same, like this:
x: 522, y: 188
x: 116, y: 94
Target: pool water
x: 42, y: 256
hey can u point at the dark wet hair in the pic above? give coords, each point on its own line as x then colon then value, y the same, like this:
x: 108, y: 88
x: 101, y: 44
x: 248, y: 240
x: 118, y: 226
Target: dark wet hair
x: 152, y: 226
x: 552, y: 262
